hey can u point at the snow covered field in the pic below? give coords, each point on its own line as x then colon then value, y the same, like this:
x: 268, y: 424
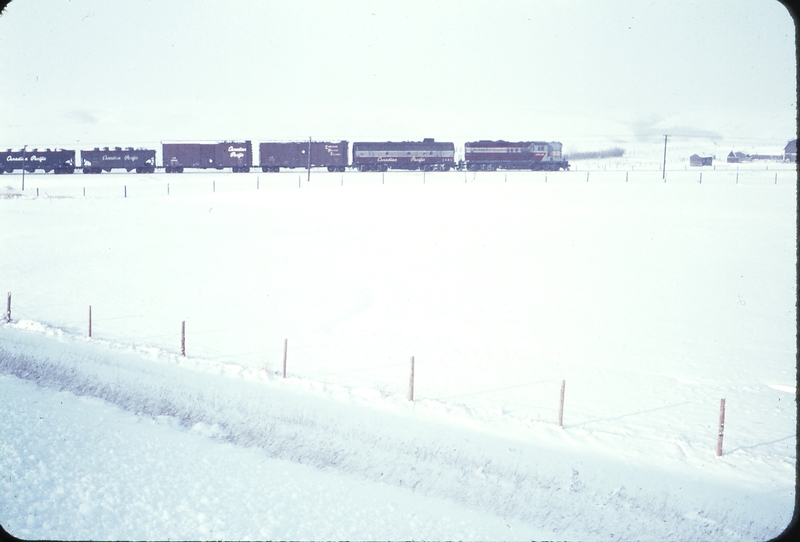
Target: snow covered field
x: 652, y: 300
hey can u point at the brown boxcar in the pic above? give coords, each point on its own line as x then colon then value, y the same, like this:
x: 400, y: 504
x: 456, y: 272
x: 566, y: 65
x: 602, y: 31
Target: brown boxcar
x: 274, y: 155
x: 237, y: 155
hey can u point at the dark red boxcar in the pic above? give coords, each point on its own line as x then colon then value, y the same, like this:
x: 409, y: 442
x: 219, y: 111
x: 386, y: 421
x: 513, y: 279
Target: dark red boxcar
x: 274, y: 155
x: 237, y: 155
x: 129, y: 159
x: 426, y: 155
x: 536, y: 155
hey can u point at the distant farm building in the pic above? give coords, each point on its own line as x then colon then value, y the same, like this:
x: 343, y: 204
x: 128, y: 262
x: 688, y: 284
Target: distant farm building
x: 790, y: 151
x: 736, y: 157
x: 700, y: 160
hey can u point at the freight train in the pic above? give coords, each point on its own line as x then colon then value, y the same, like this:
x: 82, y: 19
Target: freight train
x: 425, y: 155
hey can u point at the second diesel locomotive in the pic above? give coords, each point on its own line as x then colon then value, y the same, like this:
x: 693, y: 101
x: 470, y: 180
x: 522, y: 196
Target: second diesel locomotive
x: 426, y: 155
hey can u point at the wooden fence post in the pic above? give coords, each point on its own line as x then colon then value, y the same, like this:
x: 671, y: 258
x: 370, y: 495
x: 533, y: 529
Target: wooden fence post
x: 561, y: 405
x: 411, y: 382
x: 183, y: 338
x: 721, y: 426
x: 8, y: 309
x: 285, y: 347
x: 90, y: 321
x: 126, y: 190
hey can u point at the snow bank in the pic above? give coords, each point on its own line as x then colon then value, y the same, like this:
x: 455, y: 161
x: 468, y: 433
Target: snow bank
x: 652, y: 300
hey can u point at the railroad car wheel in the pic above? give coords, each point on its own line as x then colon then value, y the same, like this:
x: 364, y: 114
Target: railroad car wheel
x: 180, y: 169
x: 235, y: 169
x: 383, y: 167
x: 331, y: 169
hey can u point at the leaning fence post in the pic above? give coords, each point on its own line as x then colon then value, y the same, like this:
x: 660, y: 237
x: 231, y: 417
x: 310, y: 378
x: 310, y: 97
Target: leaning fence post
x: 411, y: 382
x: 721, y: 426
x: 90, y: 321
x: 8, y: 309
x: 183, y: 338
x: 285, y: 347
x: 561, y: 405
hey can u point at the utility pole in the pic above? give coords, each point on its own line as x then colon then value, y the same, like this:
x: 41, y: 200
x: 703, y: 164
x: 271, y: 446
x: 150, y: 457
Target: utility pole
x: 664, y: 165
x: 23, y: 166
x: 309, y: 159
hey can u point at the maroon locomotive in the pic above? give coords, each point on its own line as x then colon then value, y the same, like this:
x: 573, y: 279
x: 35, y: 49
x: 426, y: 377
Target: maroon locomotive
x: 536, y: 155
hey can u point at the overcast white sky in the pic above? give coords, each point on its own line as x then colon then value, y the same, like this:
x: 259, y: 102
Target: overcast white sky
x: 97, y: 72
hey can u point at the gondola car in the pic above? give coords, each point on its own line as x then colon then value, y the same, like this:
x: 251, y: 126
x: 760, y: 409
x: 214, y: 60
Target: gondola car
x: 129, y: 159
x: 55, y: 160
x: 237, y: 155
x: 426, y: 155
x: 491, y: 155
x: 274, y: 155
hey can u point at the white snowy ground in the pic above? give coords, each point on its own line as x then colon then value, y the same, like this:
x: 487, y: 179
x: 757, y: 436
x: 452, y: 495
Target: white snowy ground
x: 652, y: 300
